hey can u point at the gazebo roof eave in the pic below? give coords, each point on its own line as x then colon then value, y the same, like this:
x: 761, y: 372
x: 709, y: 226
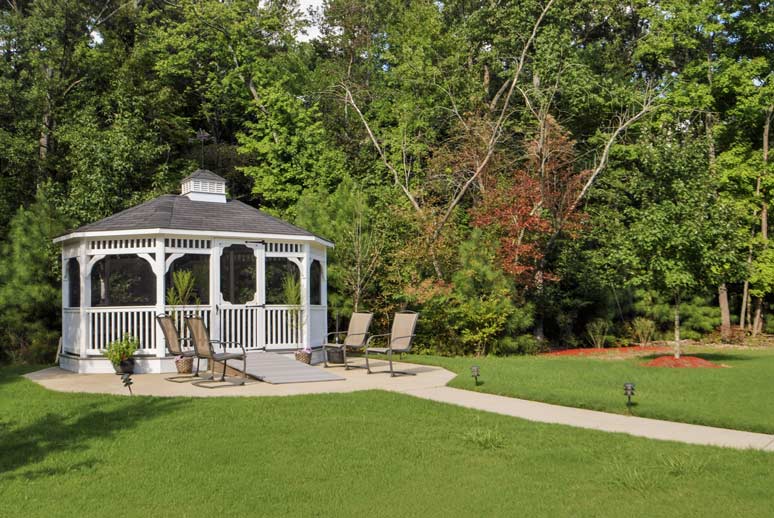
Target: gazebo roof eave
x: 205, y: 233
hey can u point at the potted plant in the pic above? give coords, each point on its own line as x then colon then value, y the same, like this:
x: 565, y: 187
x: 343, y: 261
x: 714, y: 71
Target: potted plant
x: 120, y: 354
x: 291, y: 289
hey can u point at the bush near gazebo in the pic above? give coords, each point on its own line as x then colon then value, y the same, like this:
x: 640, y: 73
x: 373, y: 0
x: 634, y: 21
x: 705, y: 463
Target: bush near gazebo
x: 121, y: 350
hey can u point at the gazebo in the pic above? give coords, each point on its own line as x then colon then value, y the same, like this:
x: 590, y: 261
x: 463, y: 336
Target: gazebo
x: 116, y: 275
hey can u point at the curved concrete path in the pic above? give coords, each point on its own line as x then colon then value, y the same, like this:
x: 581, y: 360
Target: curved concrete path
x: 429, y: 383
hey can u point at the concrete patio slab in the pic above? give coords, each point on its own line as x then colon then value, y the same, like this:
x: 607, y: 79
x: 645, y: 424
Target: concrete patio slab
x: 157, y: 384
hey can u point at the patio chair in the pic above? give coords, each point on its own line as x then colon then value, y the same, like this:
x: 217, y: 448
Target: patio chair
x: 355, y: 338
x: 175, y: 343
x: 400, y: 340
x: 204, y: 348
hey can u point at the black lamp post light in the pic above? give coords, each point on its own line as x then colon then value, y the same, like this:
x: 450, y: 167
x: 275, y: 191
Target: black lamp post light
x: 475, y: 372
x: 629, y: 392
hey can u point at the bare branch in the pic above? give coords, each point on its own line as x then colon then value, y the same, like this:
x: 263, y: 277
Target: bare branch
x: 351, y: 101
x: 624, y: 122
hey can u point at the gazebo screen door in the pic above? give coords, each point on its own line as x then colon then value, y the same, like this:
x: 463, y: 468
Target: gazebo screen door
x: 241, y: 308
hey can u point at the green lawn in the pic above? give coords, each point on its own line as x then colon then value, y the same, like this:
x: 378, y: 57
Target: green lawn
x: 736, y: 397
x: 360, y: 454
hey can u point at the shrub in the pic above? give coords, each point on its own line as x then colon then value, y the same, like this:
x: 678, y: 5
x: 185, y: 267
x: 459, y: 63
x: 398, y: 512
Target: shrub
x: 522, y: 344
x: 122, y: 349
x: 597, y: 332
x: 30, y: 296
x: 642, y: 330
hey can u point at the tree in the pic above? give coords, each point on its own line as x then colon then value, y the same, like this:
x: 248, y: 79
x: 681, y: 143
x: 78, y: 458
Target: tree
x: 351, y: 219
x: 30, y: 300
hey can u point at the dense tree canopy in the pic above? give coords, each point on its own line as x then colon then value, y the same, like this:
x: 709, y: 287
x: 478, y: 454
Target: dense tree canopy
x: 509, y: 169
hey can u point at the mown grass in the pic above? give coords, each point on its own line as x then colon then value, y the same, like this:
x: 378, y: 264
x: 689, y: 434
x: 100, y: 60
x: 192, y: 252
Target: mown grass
x: 360, y: 454
x: 739, y: 396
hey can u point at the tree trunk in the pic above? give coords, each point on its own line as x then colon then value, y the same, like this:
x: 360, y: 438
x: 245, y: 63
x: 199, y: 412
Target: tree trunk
x: 677, y: 327
x: 725, y: 313
x: 758, y: 319
x: 757, y: 326
x: 757, y: 323
x: 745, y: 296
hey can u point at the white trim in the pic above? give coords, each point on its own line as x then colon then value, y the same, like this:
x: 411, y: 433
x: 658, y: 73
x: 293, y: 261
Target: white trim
x: 171, y: 259
x: 213, y: 235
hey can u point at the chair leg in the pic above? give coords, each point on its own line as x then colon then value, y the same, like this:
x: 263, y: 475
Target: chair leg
x: 222, y: 376
x: 344, y: 355
x: 325, y: 356
x: 244, y: 368
x: 389, y: 357
x: 368, y: 366
x: 196, y: 374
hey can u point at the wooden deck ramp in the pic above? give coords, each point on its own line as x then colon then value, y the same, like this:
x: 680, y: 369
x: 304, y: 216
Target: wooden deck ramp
x: 278, y: 368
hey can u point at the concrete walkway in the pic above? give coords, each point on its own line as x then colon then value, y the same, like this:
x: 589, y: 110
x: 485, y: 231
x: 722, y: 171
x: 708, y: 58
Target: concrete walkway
x: 429, y: 383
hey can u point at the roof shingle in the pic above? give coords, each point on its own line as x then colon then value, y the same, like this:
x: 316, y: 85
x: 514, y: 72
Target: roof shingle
x: 176, y: 212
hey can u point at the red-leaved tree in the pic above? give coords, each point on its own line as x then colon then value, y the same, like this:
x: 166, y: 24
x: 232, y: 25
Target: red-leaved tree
x: 531, y: 207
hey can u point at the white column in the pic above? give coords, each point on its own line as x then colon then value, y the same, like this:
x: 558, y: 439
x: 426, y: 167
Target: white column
x: 216, y: 250
x: 306, y: 310
x: 260, y: 277
x: 160, y: 268
x: 324, y: 292
x: 84, y: 334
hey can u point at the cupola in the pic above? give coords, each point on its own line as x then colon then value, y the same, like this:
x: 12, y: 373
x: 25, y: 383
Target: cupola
x: 203, y: 185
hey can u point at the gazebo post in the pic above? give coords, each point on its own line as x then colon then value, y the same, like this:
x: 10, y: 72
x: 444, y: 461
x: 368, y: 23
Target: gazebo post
x: 85, y: 285
x: 216, y: 250
x: 306, y: 311
x: 260, y: 277
x: 160, y: 268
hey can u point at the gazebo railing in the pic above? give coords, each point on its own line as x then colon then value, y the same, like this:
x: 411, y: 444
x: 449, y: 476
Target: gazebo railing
x: 108, y: 324
x: 282, y: 326
x: 240, y: 324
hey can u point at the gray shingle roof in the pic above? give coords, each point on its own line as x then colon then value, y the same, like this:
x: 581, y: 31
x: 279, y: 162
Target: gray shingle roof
x: 176, y: 212
x: 204, y: 174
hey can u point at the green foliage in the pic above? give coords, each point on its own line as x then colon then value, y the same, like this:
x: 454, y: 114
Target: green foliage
x: 698, y: 315
x: 642, y: 330
x: 476, y: 313
x: 182, y: 291
x: 122, y: 349
x: 354, y: 218
x: 30, y: 269
x: 288, y: 150
x: 291, y: 290
x: 367, y: 134
x: 596, y: 330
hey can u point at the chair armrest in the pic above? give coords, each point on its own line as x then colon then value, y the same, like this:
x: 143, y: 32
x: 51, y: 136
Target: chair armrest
x: 368, y: 342
x: 223, y: 344
x: 398, y: 338
x: 334, y: 333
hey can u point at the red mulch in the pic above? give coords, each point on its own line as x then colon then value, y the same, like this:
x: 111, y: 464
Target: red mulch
x: 635, y: 349
x: 690, y: 362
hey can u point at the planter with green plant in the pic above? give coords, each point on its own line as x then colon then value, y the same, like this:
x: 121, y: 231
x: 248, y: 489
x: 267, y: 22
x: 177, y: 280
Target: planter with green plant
x: 120, y: 354
x: 291, y: 290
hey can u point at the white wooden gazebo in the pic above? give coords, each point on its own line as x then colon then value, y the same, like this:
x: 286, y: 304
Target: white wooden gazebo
x: 116, y: 273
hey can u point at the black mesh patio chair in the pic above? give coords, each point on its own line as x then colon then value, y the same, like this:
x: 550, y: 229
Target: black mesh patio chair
x: 355, y: 339
x: 399, y: 340
x: 204, y: 348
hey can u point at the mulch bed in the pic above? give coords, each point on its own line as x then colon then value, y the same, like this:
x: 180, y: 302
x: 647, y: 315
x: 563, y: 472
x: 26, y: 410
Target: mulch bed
x: 690, y: 362
x: 633, y: 350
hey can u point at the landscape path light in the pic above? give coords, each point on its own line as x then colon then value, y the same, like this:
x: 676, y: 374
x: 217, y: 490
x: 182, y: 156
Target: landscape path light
x: 629, y: 392
x: 475, y: 371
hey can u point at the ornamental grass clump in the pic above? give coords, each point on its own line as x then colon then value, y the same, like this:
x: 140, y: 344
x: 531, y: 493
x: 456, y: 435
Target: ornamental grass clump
x: 642, y: 330
x: 121, y: 350
x: 597, y: 331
